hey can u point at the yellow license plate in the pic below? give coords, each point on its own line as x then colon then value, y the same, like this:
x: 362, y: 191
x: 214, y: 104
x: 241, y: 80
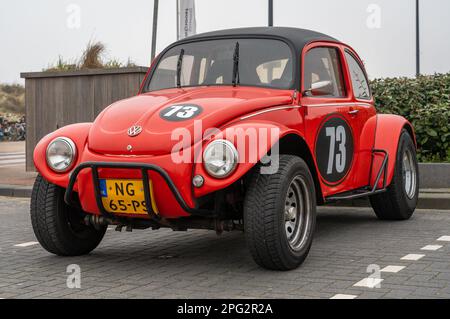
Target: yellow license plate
x: 125, y: 196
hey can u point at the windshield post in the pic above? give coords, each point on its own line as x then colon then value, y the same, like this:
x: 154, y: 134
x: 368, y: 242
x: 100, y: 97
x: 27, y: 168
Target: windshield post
x: 179, y: 66
x: 236, y: 65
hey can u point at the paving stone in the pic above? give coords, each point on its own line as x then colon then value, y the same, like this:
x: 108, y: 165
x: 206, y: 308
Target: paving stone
x: 198, y: 264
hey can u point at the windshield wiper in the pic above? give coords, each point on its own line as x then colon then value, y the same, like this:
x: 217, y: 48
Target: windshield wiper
x: 179, y: 66
x: 236, y: 79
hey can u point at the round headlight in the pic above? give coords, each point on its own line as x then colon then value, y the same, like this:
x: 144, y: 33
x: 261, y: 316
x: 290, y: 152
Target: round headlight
x: 220, y: 158
x: 61, y: 153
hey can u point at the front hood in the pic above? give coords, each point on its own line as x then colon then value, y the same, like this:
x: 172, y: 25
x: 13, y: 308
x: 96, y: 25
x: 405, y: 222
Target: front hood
x: 218, y: 105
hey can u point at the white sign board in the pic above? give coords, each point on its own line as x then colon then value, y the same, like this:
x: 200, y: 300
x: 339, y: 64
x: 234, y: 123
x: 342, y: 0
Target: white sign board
x: 187, y: 24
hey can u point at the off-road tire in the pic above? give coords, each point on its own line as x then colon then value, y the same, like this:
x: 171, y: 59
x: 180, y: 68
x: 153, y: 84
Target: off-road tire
x: 394, y: 204
x: 59, y: 228
x: 264, y: 215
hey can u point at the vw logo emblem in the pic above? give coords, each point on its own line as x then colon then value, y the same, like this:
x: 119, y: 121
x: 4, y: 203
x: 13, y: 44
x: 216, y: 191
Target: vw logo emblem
x: 134, y: 130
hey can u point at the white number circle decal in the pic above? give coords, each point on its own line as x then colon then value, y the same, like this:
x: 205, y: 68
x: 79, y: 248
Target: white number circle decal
x: 180, y: 112
x: 334, y: 149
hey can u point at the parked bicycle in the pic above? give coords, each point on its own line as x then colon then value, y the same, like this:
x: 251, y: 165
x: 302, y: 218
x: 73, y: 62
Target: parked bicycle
x: 11, y: 131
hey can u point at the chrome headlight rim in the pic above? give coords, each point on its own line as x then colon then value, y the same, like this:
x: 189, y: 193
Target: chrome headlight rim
x: 235, y: 157
x: 73, y: 151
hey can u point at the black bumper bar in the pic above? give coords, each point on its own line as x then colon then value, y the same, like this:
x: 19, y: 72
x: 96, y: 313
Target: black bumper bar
x: 144, y: 168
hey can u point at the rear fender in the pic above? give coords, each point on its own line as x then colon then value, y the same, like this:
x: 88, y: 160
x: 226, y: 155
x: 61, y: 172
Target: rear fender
x: 78, y: 133
x: 388, y: 131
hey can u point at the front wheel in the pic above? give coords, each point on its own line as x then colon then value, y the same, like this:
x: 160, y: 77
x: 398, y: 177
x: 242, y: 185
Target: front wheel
x: 400, y: 199
x: 58, y: 227
x: 280, y: 215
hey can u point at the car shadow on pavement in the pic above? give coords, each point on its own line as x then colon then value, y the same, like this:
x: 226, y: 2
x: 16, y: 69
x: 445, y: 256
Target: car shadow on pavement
x: 199, y: 249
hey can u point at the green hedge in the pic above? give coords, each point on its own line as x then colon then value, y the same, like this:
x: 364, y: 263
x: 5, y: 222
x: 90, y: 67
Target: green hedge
x: 425, y: 102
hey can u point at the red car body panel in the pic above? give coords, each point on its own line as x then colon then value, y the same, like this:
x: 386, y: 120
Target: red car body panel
x: 220, y: 105
x: 224, y: 107
x: 78, y: 133
x: 389, y: 129
x: 213, y: 184
x: 318, y: 109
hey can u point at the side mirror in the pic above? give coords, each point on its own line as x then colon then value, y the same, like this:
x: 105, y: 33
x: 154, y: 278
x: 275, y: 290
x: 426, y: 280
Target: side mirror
x: 320, y: 89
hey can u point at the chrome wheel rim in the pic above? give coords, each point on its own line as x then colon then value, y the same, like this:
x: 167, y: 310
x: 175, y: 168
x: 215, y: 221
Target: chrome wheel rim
x: 409, y: 174
x: 297, y: 213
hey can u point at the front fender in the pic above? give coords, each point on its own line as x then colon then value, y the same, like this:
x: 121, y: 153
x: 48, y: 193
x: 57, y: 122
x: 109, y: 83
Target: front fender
x: 388, y: 130
x: 253, y: 140
x: 78, y: 133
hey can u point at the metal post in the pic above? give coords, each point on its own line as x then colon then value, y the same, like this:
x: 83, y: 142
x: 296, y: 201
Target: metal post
x: 417, y: 38
x: 270, y: 13
x: 178, y: 19
x: 155, y: 27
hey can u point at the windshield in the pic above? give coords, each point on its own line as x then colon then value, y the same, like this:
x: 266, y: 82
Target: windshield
x: 249, y: 62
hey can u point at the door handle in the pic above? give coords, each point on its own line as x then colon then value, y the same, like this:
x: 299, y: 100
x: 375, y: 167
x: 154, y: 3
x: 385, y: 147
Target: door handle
x: 353, y: 112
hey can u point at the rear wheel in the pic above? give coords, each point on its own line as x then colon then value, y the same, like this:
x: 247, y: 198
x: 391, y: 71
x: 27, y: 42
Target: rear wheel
x: 59, y: 228
x: 400, y: 199
x: 280, y: 215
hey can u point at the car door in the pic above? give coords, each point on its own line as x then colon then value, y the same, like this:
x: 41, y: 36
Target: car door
x: 329, y: 119
x: 363, y: 117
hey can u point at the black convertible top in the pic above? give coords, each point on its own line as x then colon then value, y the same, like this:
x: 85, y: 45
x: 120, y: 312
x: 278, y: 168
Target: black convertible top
x: 297, y: 38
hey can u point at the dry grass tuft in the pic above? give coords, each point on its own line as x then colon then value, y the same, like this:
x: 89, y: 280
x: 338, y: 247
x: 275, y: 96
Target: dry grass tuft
x: 92, y: 56
x: 62, y: 65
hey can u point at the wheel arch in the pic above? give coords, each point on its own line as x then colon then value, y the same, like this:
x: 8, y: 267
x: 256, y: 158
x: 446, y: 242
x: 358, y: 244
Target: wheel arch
x: 78, y: 133
x: 388, y: 131
x: 410, y: 129
x: 287, y: 141
x: 294, y: 144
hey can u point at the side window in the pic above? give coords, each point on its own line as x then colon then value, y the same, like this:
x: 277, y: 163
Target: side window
x: 359, y: 79
x: 323, y: 73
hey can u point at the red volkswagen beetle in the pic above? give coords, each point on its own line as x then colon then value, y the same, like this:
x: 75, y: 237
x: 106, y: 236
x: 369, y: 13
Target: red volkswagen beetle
x: 243, y: 129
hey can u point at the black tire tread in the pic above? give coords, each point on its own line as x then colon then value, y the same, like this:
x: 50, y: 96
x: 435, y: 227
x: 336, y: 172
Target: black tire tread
x: 43, y: 227
x: 261, y: 229
x: 391, y: 204
x: 45, y: 202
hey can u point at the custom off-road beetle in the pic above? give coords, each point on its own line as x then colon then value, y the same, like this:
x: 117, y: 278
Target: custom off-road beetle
x: 243, y: 129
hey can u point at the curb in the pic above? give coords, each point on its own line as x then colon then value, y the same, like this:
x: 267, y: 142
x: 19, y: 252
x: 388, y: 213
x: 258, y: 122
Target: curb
x: 434, y: 175
x: 15, y: 191
x: 428, y: 198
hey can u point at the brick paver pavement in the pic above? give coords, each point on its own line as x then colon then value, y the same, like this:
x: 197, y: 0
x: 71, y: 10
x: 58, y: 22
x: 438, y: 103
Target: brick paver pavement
x: 198, y: 264
x: 12, y: 165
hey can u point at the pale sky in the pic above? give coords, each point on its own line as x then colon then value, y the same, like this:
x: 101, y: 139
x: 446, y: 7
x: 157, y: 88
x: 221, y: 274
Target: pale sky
x: 34, y: 33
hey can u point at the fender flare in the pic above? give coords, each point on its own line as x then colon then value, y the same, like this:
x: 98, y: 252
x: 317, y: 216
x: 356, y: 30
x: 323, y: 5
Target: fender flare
x: 388, y: 130
x: 245, y: 164
x: 78, y: 133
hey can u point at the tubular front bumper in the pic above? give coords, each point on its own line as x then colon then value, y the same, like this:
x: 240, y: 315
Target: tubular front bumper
x: 144, y: 168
